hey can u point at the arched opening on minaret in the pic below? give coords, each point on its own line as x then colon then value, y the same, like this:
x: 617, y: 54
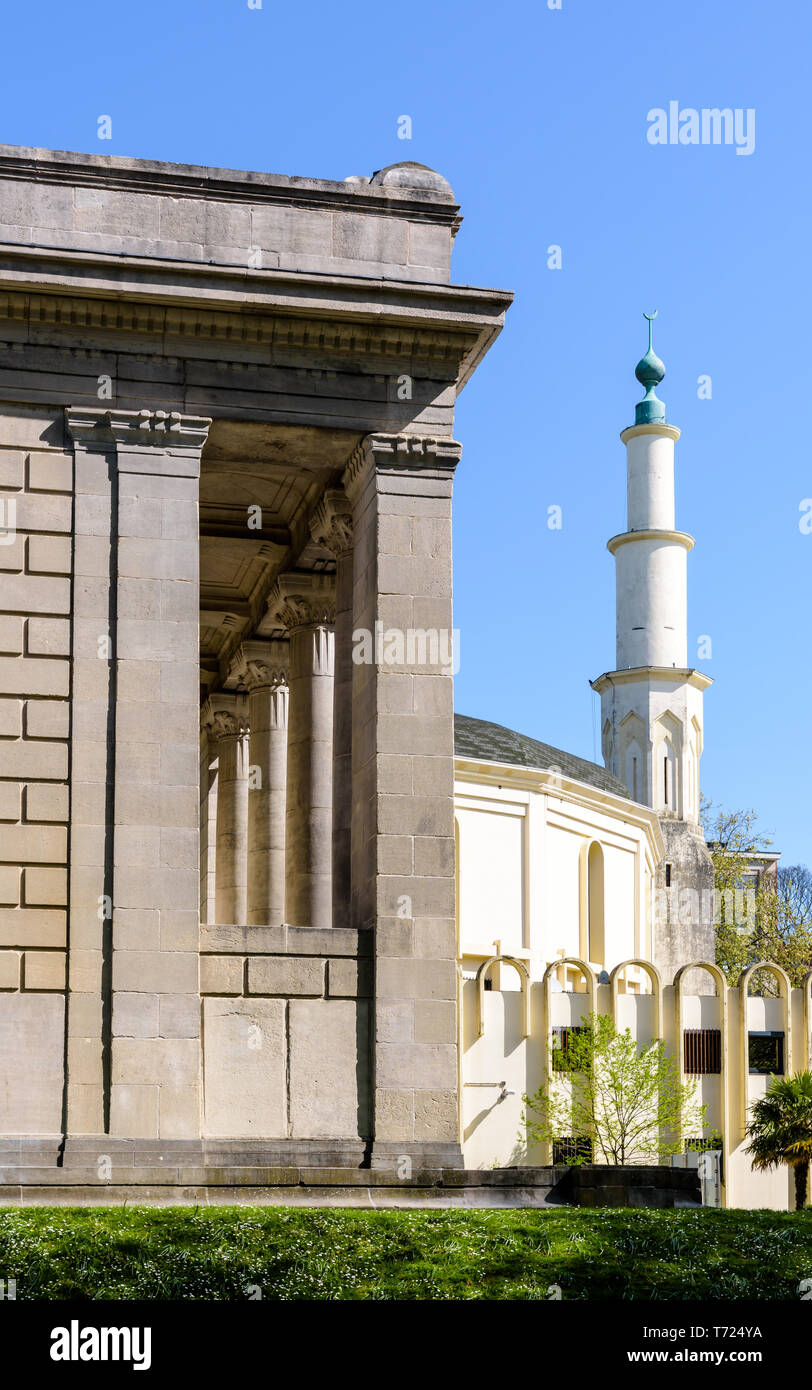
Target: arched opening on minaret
x: 669, y: 769
x: 596, y: 932
x: 634, y: 771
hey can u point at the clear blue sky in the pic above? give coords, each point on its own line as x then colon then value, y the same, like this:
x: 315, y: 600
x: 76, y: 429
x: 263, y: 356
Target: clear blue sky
x: 538, y: 119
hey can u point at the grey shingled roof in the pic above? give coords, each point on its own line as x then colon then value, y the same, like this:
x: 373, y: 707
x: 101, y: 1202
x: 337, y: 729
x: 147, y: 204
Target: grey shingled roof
x: 476, y: 738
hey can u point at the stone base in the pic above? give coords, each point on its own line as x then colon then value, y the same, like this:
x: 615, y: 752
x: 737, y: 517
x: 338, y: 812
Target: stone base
x: 29, y: 1176
x: 386, y: 1156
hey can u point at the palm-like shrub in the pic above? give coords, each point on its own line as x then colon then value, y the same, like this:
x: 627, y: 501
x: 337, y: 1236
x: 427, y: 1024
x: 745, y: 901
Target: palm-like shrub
x: 780, y: 1129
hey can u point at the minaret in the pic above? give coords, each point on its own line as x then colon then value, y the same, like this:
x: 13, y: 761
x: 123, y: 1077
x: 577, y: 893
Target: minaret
x: 651, y: 705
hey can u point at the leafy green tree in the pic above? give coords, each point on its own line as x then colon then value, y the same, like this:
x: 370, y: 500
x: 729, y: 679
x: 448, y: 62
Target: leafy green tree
x: 779, y: 928
x: 620, y: 1102
x: 780, y: 1129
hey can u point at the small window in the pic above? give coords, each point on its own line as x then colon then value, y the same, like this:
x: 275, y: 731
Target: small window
x: 765, y: 1052
x: 668, y: 875
x: 703, y: 1051
x: 567, y: 1149
x: 561, y: 1041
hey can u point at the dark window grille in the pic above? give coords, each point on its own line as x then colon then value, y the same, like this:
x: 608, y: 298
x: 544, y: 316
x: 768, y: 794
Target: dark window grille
x: 668, y: 875
x: 561, y: 1042
x: 567, y: 1149
x: 701, y: 1146
x: 765, y: 1054
x: 703, y: 1051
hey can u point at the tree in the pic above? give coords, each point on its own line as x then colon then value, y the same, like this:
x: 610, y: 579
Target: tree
x: 780, y: 1129
x: 777, y: 925
x: 614, y: 1099
x: 794, y: 888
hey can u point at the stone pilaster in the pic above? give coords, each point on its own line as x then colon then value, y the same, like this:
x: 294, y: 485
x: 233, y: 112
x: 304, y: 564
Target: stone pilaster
x: 331, y: 526
x: 403, y: 786
x: 304, y: 605
x: 134, y: 1029
x: 262, y: 668
x: 226, y: 717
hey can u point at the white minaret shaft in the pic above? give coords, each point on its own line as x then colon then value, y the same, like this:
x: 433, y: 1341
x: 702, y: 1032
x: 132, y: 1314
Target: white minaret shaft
x: 651, y: 705
x: 651, y: 556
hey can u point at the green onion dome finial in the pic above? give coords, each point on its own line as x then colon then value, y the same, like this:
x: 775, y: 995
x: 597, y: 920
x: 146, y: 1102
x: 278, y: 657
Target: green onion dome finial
x: 650, y: 372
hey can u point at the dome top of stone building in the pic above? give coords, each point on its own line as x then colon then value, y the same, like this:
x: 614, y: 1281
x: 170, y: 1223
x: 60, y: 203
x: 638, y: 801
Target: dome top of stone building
x: 411, y: 175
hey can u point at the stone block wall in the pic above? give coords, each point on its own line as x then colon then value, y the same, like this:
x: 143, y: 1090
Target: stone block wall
x: 35, y: 584
x: 285, y: 1032
x: 369, y: 227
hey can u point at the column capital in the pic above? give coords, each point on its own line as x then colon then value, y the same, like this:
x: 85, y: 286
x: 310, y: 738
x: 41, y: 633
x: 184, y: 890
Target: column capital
x: 303, y: 600
x: 261, y: 665
x: 140, y: 433
x: 225, y: 715
x: 399, y: 453
x: 331, y: 522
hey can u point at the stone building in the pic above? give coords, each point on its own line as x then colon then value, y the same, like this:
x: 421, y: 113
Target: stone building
x: 268, y: 922
x: 226, y: 445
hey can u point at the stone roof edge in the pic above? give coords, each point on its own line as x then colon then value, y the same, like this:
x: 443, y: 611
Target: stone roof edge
x: 234, y: 185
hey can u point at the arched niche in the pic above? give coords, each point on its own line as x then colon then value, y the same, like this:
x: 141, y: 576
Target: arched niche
x: 524, y: 981
x: 633, y: 756
x: 546, y: 994
x: 592, y: 903
x: 656, y: 989
x: 785, y: 989
x: 806, y: 999
x: 720, y: 981
x: 667, y: 769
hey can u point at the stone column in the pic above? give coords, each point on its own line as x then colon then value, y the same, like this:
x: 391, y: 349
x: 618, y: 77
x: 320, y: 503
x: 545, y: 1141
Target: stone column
x: 140, y: 625
x: 331, y: 526
x: 208, y: 825
x: 226, y: 717
x: 262, y: 667
x: 403, y: 788
x: 304, y: 605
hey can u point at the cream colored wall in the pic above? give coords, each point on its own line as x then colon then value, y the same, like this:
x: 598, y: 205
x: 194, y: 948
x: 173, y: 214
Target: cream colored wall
x: 559, y: 930
x: 492, y: 884
x: 521, y: 842
x: 492, y: 1124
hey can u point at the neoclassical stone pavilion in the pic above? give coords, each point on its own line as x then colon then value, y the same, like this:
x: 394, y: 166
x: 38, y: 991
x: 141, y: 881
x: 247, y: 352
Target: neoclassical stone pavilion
x: 226, y: 444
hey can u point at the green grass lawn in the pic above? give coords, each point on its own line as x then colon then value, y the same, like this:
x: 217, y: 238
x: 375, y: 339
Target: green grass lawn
x: 297, y: 1253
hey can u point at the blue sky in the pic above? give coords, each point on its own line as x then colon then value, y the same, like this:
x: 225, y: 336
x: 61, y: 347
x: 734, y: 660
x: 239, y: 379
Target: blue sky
x: 538, y: 119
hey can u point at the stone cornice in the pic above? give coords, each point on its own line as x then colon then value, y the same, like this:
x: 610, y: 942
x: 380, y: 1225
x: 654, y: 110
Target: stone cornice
x: 626, y: 537
x: 443, y: 329
x: 331, y: 522
x: 259, y: 665
x: 167, y: 180
x: 666, y: 431
x: 225, y: 715
x: 303, y: 600
x: 674, y: 675
x: 168, y: 431
x: 394, y: 453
